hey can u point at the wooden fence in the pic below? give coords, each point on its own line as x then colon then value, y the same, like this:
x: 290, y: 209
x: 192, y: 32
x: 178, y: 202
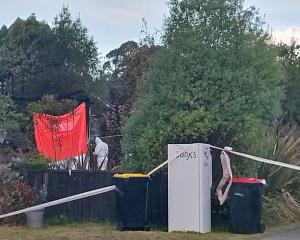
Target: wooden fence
x: 61, y: 184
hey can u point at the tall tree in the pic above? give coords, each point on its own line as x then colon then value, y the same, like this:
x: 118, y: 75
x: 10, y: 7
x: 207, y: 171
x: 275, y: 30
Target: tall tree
x: 290, y: 58
x: 45, y: 60
x: 3, y: 33
x: 12, y: 124
x: 124, y: 72
x: 75, y: 50
x: 217, y: 81
x: 24, y: 53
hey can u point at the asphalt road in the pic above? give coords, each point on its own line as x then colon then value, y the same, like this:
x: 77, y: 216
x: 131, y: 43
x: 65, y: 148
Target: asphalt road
x: 292, y: 234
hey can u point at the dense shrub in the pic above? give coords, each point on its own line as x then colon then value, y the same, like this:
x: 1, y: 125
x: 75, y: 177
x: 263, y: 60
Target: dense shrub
x: 217, y: 81
x: 49, y: 104
x: 10, y: 194
x: 12, y: 123
x: 281, y: 200
x: 15, y: 194
x: 35, y: 162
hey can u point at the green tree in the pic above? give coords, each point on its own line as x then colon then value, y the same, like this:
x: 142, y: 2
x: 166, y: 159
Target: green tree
x: 45, y: 60
x: 48, y: 104
x: 3, y: 33
x: 217, y: 81
x: 11, y: 123
x: 24, y: 53
x: 290, y: 58
x: 76, y: 51
x: 123, y: 74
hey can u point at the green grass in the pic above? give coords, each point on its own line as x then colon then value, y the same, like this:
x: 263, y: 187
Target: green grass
x: 87, y: 231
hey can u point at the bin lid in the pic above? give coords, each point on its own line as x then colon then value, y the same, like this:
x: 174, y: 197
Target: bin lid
x: 129, y: 175
x: 249, y: 180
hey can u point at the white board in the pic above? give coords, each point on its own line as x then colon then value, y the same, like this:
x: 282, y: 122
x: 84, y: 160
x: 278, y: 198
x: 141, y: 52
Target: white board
x: 189, y: 183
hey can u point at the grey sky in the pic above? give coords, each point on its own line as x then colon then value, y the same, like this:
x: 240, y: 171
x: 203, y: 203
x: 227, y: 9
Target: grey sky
x: 282, y: 16
x: 112, y: 22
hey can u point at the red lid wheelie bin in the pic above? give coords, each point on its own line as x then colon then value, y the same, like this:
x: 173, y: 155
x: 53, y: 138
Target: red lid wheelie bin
x: 245, y: 202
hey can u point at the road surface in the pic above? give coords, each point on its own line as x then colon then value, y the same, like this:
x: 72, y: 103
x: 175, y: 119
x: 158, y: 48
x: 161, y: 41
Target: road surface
x: 291, y: 234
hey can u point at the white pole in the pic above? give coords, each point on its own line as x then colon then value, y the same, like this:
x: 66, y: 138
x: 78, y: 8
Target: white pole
x: 62, y: 200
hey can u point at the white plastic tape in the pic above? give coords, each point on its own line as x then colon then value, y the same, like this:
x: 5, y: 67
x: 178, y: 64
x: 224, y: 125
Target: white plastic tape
x: 229, y: 149
x: 169, y: 160
x: 227, y: 177
x: 259, y: 159
x: 62, y: 200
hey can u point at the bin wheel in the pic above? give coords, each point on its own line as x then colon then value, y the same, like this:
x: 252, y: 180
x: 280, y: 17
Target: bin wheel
x: 147, y: 227
x: 121, y: 226
x: 261, y: 228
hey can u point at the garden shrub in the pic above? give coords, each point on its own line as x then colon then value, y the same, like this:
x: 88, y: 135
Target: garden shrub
x: 10, y: 194
x: 35, y: 162
x: 15, y: 194
x: 217, y: 81
x: 281, y: 200
x: 12, y: 123
x: 50, y: 104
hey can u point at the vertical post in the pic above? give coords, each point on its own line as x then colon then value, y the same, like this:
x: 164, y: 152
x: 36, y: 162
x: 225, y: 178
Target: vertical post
x: 205, y: 180
x: 2, y: 85
x: 88, y: 126
x: 189, y: 184
x: 12, y: 85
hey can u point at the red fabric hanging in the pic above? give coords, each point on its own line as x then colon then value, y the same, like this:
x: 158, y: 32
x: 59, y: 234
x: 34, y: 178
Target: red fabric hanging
x: 61, y: 137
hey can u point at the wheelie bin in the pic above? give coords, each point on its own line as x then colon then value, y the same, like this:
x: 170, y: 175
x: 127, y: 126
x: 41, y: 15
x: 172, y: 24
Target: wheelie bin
x: 245, y: 202
x: 132, y: 201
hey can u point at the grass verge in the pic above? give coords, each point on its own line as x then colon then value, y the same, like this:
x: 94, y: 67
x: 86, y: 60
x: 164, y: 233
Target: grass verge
x: 87, y: 231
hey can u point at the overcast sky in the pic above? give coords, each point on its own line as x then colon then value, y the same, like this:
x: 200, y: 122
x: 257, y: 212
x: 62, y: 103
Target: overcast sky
x: 112, y: 22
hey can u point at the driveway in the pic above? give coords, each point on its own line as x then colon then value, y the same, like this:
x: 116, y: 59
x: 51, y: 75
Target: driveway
x: 291, y: 234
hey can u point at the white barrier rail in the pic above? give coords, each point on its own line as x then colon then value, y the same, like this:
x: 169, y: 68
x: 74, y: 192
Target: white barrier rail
x: 63, y: 200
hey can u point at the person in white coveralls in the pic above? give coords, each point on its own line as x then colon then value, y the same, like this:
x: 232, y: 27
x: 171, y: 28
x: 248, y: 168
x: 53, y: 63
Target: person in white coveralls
x: 101, y: 151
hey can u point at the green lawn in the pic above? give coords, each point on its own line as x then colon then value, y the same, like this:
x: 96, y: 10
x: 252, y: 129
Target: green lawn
x: 92, y: 231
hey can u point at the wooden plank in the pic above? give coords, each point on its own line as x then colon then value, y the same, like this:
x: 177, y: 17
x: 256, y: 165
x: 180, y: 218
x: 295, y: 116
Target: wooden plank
x: 61, y: 188
x: 94, y: 200
x: 86, y: 203
x: 164, y: 200
x: 77, y: 188
x: 69, y: 207
x: 51, y: 192
x: 100, y: 203
x: 108, y: 198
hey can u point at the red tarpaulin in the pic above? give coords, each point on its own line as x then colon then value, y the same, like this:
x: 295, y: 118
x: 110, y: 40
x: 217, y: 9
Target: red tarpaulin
x: 61, y: 137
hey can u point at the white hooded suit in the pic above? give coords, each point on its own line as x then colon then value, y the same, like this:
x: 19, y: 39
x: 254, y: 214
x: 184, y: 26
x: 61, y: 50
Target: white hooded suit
x: 101, y: 151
